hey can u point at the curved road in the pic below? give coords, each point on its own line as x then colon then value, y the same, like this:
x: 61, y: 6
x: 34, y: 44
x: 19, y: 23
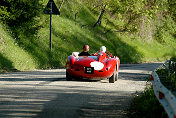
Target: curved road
x: 46, y: 94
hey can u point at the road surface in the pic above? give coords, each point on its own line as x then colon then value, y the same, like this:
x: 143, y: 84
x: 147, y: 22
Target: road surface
x: 47, y: 94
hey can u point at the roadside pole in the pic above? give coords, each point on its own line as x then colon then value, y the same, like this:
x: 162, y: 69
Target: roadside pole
x: 50, y: 45
x: 50, y: 9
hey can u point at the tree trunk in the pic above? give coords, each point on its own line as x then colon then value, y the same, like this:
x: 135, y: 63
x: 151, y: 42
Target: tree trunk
x: 76, y: 16
x: 100, y: 17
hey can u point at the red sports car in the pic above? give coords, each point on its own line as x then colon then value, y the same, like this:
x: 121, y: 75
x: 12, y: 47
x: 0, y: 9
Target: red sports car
x: 92, y: 67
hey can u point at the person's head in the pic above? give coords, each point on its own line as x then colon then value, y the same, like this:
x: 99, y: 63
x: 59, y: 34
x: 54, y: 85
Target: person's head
x: 86, y: 48
x: 103, y: 48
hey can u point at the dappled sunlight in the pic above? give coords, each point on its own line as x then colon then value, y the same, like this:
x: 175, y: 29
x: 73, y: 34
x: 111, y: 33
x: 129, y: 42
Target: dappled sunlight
x: 19, y: 102
x: 34, y: 75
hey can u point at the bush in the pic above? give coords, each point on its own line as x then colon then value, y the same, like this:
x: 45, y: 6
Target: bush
x: 168, y: 75
x: 146, y: 105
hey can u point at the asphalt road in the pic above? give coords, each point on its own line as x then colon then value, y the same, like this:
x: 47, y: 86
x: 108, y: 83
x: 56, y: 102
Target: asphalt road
x: 47, y: 94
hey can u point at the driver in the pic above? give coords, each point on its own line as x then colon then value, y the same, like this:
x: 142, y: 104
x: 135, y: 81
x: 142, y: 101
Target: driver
x: 85, y: 51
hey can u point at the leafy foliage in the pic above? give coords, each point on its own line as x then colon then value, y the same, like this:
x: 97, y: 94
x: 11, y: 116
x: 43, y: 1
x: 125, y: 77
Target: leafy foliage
x: 168, y: 75
x: 16, y: 12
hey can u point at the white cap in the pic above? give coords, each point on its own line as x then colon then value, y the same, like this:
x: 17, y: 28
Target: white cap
x: 103, y: 48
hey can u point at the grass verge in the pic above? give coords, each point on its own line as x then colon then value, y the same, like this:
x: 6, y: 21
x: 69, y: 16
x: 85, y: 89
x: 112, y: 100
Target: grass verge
x: 146, y: 105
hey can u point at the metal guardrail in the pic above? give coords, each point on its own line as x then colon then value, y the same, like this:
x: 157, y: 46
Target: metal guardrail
x: 165, y: 96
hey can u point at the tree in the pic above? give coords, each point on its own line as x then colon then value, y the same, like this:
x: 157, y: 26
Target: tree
x: 15, y: 12
x: 100, y: 17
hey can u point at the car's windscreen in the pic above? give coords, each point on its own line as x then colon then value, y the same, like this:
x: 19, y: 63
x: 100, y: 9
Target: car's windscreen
x: 94, y: 57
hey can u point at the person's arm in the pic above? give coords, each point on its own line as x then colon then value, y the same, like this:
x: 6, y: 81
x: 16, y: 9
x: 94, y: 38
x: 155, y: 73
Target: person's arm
x: 96, y: 53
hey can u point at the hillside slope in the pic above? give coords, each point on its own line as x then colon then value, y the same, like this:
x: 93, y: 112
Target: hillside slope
x: 27, y: 47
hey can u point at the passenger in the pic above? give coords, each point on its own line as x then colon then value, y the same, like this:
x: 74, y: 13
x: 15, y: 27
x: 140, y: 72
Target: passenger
x: 102, y: 54
x: 85, y: 51
x: 102, y: 51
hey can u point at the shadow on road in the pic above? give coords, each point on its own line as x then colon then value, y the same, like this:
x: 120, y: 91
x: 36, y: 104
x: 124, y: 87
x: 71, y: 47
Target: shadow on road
x: 133, y: 76
x: 85, y: 103
x: 137, y: 72
x: 34, y: 76
x: 141, y: 67
x: 61, y: 102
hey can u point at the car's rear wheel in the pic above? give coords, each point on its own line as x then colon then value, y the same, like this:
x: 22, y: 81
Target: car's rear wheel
x: 112, y: 79
x: 117, y: 76
x: 68, y: 76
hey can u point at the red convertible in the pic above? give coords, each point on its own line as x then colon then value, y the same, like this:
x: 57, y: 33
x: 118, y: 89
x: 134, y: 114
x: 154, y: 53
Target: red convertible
x: 92, y: 67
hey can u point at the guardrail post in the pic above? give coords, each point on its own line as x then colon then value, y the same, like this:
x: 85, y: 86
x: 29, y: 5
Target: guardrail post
x: 152, y: 78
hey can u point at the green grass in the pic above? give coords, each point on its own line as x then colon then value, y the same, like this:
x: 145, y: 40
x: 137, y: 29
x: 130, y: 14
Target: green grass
x: 153, y: 51
x: 27, y: 47
x: 11, y: 55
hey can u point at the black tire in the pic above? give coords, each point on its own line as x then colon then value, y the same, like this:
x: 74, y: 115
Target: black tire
x: 117, y: 76
x: 68, y: 76
x: 113, y: 77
